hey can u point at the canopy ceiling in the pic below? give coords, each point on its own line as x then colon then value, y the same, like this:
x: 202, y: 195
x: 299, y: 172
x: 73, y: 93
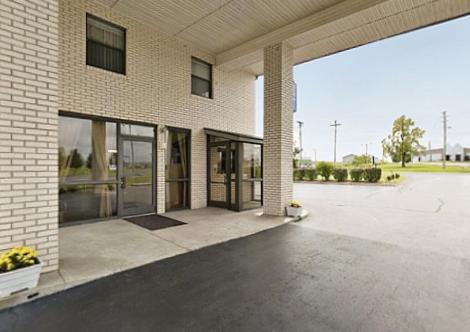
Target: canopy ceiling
x: 235, y: 31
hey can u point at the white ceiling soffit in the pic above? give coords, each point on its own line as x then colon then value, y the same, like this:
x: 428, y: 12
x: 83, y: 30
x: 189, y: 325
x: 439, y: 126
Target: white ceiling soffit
x: 235, y: 31
x: 218, y: 25
x: 388, y: 19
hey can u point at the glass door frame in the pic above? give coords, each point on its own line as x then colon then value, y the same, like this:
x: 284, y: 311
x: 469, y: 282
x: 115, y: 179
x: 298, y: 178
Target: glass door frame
x: 226, y: 145
x: 117, y: 181
x: 121, y: 212
x: 231, y: 142
x: 176, y: 180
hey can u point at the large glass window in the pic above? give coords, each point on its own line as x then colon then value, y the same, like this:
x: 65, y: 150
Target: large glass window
x: 87, y: 169
x: 136, y: 130
x: 201, y: 78
x: 177, y: 169
x: 87, y: 201
x: 105, y: 169
x: 105, y: 45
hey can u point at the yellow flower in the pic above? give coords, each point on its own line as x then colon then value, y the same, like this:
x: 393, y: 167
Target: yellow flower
x: 294, y: 203
x: 17, y: 257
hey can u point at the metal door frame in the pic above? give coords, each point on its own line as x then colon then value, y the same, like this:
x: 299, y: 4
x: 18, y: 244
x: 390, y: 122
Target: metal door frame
x: 227, y: 180
x: 121, y: 212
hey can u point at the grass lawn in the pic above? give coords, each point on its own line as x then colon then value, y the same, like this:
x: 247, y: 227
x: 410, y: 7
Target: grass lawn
x: 425, y: 167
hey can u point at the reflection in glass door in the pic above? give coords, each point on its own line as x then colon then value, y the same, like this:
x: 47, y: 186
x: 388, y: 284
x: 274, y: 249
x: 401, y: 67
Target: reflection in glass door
x: 234, y: 171
x: 136, y: 175
x: 177, y: 169
x: 106, y: 169
x: 217, y: 177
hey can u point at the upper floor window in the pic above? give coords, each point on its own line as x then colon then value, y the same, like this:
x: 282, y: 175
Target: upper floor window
x: 105, y: 45
x: 201, y: 78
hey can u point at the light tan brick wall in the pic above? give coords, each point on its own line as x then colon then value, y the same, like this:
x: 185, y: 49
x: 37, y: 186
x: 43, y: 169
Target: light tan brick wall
x: 278, y: 121
x: 28, y: 127
x: 156, y: 88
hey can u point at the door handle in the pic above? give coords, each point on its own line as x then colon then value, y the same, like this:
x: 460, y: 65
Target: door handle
x: 123, y: 182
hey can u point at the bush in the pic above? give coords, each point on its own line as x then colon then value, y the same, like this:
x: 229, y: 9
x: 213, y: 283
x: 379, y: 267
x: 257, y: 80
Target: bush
x: 299, y: 174
x: 311, y: 174
x: 356, y: 174
x: 397, y: 176
x: 372, y: 174
x: 340, y: 174
x: 390, y: 177
x: 294, y: 174
x: 325, y: 169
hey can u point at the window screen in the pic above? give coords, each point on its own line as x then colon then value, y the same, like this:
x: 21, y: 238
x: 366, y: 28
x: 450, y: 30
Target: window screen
x: 106, y: 45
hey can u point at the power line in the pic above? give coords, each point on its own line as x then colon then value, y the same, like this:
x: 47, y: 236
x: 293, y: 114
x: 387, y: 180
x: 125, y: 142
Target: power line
x: 444, y: 148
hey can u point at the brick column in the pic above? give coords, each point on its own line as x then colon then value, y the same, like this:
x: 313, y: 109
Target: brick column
x: 28, y: 127
x: 278, y: 122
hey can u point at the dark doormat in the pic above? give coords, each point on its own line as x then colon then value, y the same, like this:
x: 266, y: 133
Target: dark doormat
x: 154, y: 221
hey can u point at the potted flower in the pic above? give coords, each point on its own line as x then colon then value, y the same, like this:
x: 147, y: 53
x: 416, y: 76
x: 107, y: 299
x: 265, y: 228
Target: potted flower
x: 19, y: 270
x: 294, y: 209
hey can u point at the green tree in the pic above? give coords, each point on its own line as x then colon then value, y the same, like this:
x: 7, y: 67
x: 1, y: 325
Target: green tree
x: 403, y: 143
x: 76, y: 159
x: 89, y: 161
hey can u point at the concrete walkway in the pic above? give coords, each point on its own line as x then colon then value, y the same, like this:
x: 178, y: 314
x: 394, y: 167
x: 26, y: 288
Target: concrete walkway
x: 95, y: 250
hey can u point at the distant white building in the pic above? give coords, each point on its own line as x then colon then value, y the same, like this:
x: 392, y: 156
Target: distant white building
x: 349, y: 158
x: 455, y: 153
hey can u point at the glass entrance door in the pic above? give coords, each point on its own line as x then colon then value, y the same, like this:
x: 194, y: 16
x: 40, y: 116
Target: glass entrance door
x: 234, y: 171
x: 136, y: 176
x: 218, y: 184
x: 106, y: 169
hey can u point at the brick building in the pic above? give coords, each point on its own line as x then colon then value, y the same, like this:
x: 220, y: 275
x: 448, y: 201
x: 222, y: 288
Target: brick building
x: 118, y: 107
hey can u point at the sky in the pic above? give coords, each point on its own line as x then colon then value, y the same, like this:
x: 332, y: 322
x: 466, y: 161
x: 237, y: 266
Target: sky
x: 419, y: 74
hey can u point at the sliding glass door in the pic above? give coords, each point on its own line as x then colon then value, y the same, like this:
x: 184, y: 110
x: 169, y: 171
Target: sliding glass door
x: 177, y: 167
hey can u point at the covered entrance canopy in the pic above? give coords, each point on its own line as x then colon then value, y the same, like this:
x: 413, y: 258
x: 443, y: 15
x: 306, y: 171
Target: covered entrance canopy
x: 269, y: 38
x: 234, y: 170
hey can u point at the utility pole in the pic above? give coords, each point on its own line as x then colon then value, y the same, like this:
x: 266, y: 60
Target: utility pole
x: 336, y: 125
x: 444, y: 148
x: 367, y: 148
x: 300, y: 140
x: 315, y: 152
x: 429, y: 151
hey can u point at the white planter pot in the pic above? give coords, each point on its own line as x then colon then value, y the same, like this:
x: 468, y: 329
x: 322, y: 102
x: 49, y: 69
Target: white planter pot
x: 20, y: 279
x: 294, y: 211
